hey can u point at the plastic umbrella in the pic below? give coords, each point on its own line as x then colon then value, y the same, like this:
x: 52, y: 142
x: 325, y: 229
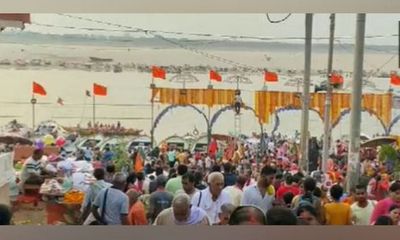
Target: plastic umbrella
x: 48, y: 140
x: 14, y: 138
x: 60, y: 142
x: 39, y: 144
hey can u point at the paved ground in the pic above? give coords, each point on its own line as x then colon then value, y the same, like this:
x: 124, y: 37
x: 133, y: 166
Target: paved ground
x: 26, y: 214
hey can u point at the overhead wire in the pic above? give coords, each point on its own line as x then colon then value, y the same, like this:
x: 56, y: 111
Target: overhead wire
x: 230, y: 37
x: 176, y: 43
x: 277, y: 21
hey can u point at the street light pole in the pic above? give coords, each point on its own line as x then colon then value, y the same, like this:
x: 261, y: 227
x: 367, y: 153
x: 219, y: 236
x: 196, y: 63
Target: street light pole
x: 306, y: 95
x: 353, y: 168
x: 328, y: 99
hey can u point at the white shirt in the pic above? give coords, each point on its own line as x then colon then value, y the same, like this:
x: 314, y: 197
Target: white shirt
x: 208, y: 162
x: 212, y: 208
x: 271, y: 146
x: 252, y: 183
x: 238, y: 99
x: 252, y: 196
x: 362, y: 216
x: 235, y: 193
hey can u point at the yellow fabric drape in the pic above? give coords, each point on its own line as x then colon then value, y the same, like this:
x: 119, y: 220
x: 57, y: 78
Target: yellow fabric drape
x: 209, y: 97
x: 266, y: 103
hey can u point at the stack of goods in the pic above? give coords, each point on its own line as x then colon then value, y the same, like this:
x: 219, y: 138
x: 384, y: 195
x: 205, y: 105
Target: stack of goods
x: 82, y: 167
x: 74, y: 197
x: 52, y: 187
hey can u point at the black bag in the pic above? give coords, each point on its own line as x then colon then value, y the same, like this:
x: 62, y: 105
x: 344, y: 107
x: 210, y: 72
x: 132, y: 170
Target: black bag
x: 103, y: 210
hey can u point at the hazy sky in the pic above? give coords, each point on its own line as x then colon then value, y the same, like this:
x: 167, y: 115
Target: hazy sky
x: 232, y: 24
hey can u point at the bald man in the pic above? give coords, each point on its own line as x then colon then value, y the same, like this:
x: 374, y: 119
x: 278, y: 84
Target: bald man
x: 212, y: 198
x: 182, y: 213
x: 111, y: 206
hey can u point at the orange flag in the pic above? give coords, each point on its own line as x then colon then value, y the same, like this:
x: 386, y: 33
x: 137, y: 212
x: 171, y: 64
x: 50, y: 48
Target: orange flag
x: 138, y: 165
x: 215, y: 76
x: 99, y: 90
x: 337, y: 79
x: 158, y: 72
x: 270, y: 77
x: 395, y: 79
x: 38, y: 89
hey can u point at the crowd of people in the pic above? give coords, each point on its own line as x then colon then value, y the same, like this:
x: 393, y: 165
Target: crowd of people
x: 232, y: 188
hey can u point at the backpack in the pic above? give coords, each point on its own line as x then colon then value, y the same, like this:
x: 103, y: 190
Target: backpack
x: 306, y: 200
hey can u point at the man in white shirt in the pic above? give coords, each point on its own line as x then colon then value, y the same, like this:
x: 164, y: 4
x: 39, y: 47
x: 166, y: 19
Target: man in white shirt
x: 271, y: 146
x: 212, y: 198
x: 182, y: 212
x: 362, y: 209
x: 188, y: 182
x: 258, y: 194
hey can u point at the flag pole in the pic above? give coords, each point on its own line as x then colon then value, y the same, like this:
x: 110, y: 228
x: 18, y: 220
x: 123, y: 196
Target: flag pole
x: 265, y: 84
x: 94, y: 109
x: 33, y: 102
x: 210, y: 87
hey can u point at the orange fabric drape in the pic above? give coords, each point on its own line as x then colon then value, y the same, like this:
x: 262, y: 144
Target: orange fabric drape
x: 209, y: 97
x: 266, y: 103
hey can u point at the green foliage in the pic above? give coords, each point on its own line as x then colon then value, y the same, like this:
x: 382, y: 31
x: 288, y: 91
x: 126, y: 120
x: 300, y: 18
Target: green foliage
x: 387, y: 152
x: 121, y: 157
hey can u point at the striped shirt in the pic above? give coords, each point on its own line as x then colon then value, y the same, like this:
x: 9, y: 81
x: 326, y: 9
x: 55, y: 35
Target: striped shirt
x: 30, y: 167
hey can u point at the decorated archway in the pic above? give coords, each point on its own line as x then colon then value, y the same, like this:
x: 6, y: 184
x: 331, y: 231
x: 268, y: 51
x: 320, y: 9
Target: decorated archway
x: 170, y: 107
x: 347, y: 111
x: 392, y: 124
x: 231, y: 108
x: 288, y: 108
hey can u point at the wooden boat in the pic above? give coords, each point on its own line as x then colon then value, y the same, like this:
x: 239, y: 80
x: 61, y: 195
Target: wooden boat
x: 97, y: 59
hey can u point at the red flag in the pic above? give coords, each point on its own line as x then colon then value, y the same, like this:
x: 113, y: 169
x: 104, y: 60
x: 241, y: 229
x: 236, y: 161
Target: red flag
x: 99, y: 90
x: 215, y: 76
x: 395, y: 79
x: 337, y: 79
x: 158, y: 72
x: 270, y: 77
x: 38, y: 89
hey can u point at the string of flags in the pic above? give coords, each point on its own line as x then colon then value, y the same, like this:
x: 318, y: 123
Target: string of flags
x: 336, y: 79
